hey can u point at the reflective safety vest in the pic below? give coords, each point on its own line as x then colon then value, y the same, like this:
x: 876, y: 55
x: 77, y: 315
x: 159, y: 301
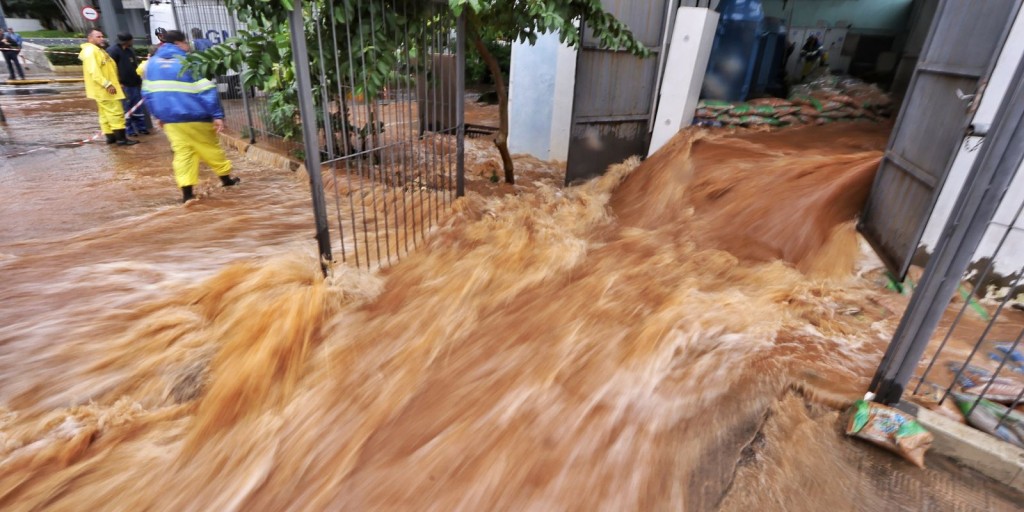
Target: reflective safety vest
x: 176, y: 97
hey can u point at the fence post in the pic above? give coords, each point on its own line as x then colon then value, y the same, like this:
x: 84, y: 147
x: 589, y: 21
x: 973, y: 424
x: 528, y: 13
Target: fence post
x: 1000, y: 157
x: 460, y: 105
x: 310, y: 134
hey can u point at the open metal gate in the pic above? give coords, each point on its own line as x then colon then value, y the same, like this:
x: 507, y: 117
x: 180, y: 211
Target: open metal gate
x: 381, y: 102
x: 957, y: 58
x: 615, y: 91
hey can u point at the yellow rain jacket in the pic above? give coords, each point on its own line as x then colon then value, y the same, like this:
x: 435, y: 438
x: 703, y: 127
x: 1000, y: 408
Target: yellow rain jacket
x: 100, y: 71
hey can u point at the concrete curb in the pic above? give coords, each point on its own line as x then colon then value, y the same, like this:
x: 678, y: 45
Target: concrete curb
x: 997, y: 459
x: 260, y: 155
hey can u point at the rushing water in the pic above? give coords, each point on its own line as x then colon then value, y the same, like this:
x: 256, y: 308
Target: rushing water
x: 645, y: 341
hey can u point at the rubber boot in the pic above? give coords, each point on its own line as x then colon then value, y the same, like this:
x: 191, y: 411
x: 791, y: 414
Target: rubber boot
x: 111, y: 138
x: 186, y: 194
x: 228, y: 181
x: 123, y: 140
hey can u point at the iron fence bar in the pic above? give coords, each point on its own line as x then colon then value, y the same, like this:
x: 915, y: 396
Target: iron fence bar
x: 389, y: 115
x: 378, y: 140
x: 410, y: 162
x: 352, y: 110
x: 436, y: 59
x: 324, y: 86
x: 995, y: 316
x: 995, y: 167
x: 446, y: 97
x: 427, y: 124
x: 307, y: 112
x: 977, y: 346
x: 418, y: 169
x: 1002, y: 364
x: 367, y: 102
x: 426, y: 107
x: 978, y: 283
x: 460, y: 106
x: 345, y: 136
x: 452, y: 97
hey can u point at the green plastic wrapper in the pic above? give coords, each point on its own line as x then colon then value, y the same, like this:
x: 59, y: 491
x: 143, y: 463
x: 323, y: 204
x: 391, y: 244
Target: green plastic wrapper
x: 759, y: 120
x: 891, y: 429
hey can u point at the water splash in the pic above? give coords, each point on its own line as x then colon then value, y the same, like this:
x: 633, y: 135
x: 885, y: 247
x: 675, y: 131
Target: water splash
x: 613, y: 345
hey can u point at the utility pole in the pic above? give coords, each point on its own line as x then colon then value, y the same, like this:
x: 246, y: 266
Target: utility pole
x: 3, y: 18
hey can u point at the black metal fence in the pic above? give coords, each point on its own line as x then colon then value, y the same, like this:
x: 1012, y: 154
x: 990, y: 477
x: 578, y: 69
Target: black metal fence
x: 383, y: 119
x: 380, y: 107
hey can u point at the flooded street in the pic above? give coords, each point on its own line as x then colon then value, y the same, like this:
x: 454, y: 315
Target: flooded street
x: 676, y: 335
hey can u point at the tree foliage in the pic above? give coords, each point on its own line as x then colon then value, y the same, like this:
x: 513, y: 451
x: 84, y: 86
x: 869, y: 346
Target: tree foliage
x: 524, y: 20
x: 356, y: 43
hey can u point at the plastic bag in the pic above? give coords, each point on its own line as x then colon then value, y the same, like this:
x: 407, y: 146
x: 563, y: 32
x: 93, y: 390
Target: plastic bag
x: 891, y: 429
x: 974, y: 379
x: 987, y: 415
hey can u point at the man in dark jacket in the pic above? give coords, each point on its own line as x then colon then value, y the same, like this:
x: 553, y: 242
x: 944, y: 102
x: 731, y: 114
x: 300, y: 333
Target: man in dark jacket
x: 189, y: 111
x: 127, y: 64
x: 10, y: 45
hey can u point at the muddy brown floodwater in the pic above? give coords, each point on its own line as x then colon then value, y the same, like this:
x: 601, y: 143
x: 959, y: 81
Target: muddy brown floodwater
x: 673, y: 335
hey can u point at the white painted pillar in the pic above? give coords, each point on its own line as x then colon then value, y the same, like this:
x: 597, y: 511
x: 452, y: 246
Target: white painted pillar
x: 688, y: 56
x: 541, y: 84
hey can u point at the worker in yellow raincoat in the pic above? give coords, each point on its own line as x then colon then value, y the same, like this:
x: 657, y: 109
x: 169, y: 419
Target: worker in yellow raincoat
x: 101, y: 84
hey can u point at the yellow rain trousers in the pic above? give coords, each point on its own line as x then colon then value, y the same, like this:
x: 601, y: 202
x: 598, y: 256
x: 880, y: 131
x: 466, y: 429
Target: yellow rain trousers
x: 111, y: 115
x: 190, y: 143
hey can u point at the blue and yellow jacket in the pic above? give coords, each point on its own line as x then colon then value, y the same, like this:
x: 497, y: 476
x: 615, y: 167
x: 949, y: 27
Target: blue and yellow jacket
x: 176, y: 97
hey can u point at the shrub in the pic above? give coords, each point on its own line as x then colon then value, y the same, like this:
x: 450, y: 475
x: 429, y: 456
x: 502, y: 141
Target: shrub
x: 67, y: 55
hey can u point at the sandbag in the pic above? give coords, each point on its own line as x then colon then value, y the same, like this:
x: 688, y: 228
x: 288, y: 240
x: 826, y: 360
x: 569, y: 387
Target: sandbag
x: 715, y: 105
x: 891, y: 429
x: 771, y: 102
x: 759, y: 121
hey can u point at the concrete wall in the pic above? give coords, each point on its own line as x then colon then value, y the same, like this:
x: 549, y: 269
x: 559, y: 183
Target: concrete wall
x: 24, y: 24
x: 541, y: 84
x: 1011, y: 258
x: 865, y: 15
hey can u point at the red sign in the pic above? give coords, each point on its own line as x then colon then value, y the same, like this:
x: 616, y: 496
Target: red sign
x: 90, y: 13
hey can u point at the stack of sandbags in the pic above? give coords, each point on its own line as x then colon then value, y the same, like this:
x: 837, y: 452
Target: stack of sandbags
x: 768, y: 111
x: 823, y: 101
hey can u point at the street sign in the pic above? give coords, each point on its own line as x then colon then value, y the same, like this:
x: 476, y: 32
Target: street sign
x: 90, y: 13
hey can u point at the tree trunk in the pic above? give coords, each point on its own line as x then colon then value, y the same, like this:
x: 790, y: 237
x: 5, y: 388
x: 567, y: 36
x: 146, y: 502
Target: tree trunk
x: 501, y: 139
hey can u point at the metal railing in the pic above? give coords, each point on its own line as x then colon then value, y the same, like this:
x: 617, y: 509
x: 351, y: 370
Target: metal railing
x: 383, y: 120
x: 977, y: 364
